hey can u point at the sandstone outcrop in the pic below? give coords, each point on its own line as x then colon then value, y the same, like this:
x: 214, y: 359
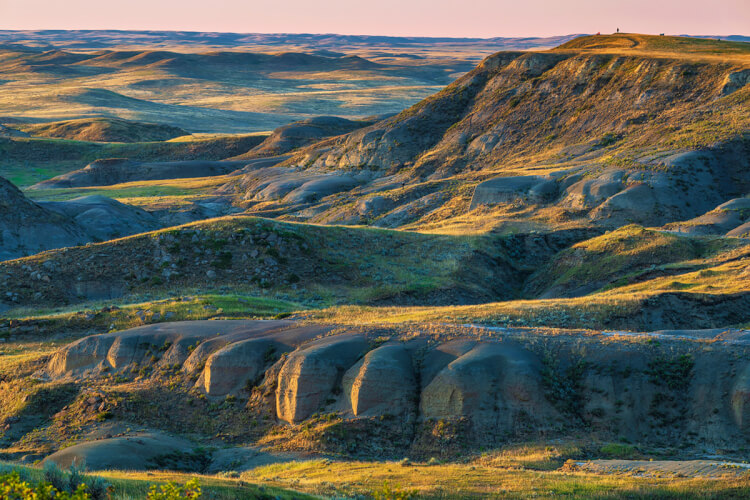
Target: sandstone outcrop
x: 309, y: 375
x: 523, y: 385
x: 383, y: 382
x: 740, y: 400
x: 532, y: 188
x: 494, y: 384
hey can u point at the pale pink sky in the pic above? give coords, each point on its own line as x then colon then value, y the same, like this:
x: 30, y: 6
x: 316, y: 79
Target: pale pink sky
x: 460, y: 18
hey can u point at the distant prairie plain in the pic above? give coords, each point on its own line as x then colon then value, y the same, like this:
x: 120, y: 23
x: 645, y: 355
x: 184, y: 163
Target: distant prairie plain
x: 226, y: 82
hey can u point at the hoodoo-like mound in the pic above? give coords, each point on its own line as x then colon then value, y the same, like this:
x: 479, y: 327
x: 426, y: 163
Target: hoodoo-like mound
x: 105, y: 130
x: 492, y: 387
x: 104, y: 218
x: 27, y: 227
x: 383, y: 381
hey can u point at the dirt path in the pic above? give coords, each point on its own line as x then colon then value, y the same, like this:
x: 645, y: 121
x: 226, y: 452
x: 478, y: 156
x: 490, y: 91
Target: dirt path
x: 666, y: 468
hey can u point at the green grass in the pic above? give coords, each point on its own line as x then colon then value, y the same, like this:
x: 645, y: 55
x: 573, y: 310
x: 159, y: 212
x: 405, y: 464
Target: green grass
x: 623, y: 256
x: 26, y: 161
x: 118, y: 315
x: 314, y: 265
x: 173, y: 188
x: 132, y: 485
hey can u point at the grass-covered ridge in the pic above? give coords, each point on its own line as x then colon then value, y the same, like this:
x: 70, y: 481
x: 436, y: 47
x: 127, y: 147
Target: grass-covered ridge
x: 679, y: 46
x: 27, y: 161
x: 104, y: 130
x: 312, y: 264
x: 628, y: 254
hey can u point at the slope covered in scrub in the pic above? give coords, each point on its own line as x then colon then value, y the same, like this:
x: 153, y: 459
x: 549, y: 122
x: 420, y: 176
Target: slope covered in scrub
x: 605, y: 134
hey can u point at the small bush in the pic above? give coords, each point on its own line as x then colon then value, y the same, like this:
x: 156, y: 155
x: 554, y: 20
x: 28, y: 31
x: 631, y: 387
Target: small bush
x: 171, y: 491
x: 74, y: 481
x: 388, y: 492
x: 12, y: 487
x: 621, y: 451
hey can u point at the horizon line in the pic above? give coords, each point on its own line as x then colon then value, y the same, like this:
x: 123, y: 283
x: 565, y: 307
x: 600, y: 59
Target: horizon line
x: 356, y: 35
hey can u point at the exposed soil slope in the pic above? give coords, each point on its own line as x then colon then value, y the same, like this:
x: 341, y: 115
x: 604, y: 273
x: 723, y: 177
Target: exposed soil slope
x: 603, y: 131
x: 26, y: 227
x: 302, y: 133
x: 443, y: 391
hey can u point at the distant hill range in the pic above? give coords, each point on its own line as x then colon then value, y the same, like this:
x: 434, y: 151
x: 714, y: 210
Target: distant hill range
x: 89, y: 39
x: 730, y: 38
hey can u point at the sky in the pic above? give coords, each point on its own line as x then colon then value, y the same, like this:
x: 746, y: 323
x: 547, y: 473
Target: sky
x: 445, y: 18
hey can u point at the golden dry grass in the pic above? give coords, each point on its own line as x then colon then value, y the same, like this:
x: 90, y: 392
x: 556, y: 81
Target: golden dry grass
x: 472, y: 480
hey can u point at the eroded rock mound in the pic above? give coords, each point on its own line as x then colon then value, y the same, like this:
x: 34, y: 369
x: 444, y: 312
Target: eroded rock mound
x: 188, y: 343
x: 310, y: 375
x: 494, y: 383
x: 26, y: 227
x: 104, y: 218
x: 290, y: 186
x: 531, y: 188
x: 521, y: 383
x: 133, y: 452
x: 731, y: 218
x: 383, y: 382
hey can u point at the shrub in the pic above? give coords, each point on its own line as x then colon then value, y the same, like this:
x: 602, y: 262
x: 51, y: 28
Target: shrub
x: 74, y: 481
x: 621, y: 451
x: 676, y: 373
x: 13, y: 488
x: 171, y: 491
x: 388, y: 492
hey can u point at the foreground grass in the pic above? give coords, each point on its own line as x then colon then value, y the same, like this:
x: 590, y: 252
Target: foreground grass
x: 472, y: 480
x: 135, y: 485
x: 516, y: 475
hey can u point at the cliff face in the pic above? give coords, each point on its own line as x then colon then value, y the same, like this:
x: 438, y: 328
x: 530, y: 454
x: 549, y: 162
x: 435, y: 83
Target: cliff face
x: 517, y: 104
x: 606, y: 133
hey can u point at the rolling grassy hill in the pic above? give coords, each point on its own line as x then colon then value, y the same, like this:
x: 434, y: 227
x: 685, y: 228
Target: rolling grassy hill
x: 533, y: 282
x: 228, y: 91
x: 104, y: 130
x: 27, y: 161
